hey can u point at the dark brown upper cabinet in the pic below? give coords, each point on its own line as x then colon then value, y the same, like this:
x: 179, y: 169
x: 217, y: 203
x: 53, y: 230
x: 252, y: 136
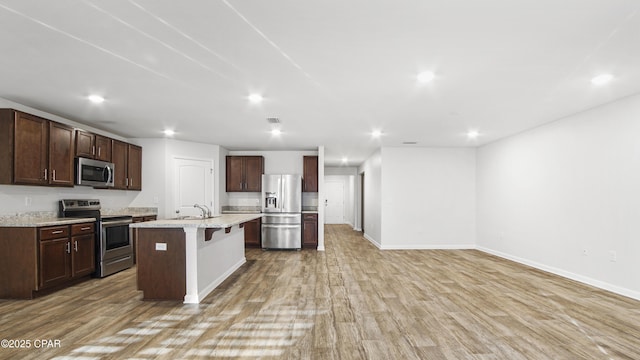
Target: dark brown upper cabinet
x: 244, y: 173
x: 85, y: 144
x: 310, y: 174
x: 35, y: 151
x: 127, y: 159
x: 93, y: 146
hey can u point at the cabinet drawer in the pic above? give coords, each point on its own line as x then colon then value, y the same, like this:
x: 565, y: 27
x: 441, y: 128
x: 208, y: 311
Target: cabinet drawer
x: 79, y: 229
x: 310, y: 217
x: 54, y: 232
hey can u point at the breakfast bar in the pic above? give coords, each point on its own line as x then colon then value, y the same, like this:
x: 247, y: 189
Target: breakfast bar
x: 185, y: 259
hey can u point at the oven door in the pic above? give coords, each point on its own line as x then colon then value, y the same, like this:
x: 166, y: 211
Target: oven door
x: 115, y: 239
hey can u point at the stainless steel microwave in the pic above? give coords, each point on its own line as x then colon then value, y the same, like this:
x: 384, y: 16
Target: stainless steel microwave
x: 91, y: 172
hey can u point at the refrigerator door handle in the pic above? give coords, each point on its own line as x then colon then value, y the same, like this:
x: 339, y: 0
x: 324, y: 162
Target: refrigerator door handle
x: 282, y: 187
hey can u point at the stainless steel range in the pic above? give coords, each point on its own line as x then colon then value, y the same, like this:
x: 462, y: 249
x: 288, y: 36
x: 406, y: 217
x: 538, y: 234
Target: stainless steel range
x: 114, y: 251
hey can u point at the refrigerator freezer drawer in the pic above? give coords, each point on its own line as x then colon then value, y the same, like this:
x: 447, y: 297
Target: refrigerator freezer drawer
x: 281, y: 236
x: 282, y: 219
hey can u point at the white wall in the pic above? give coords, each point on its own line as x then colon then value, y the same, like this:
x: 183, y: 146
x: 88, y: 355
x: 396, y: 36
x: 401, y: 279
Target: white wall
x: 428, y: 198
x: 372, y: 169
x: 548, y: 195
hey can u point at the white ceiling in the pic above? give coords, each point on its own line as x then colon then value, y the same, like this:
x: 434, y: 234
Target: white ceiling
x: 331, y: 70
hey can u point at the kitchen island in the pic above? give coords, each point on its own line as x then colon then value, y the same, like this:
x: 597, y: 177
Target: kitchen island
x: 185, y: 259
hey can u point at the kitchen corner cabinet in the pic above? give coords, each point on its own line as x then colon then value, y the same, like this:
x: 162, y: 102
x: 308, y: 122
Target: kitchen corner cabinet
x: 310, y: 174
x: 35, y: 151
x: 244, y: 173
x: 310, y: 231
x: 127, y: 159
x: 253, y: 233
x: 38, y: 260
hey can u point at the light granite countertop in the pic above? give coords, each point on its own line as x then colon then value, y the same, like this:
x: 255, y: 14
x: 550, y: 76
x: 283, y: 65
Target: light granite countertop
x: 218, y: 222
x: 41, y: 221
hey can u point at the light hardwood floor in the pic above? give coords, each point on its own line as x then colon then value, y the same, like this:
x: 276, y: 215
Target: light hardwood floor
x: 351, y: 302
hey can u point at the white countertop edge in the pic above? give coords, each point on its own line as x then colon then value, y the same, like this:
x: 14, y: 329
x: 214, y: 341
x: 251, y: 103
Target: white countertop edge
x: 220, y: 222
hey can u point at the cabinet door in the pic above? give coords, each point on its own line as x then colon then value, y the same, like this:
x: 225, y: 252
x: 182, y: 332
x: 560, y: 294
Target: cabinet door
x: 310, y: 174
x: 103, y: 148
x: 83, y: 255
x: 134, y: 168
x: 119, y: 159
x: 254, y: 168
x: 54, y: 261
x: 61, y: 139
x: 235, y: 180
x: 85, y: 144
x: 252, y: 233
x: 310, y: 231
x: 30, y: 157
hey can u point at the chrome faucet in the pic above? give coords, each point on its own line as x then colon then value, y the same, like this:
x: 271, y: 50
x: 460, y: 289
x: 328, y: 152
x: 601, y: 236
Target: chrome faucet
x: 205, y: 213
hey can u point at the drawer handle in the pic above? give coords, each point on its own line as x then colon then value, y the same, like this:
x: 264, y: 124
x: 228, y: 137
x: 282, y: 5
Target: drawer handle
x: 57, y: 232
x: 85, y: 228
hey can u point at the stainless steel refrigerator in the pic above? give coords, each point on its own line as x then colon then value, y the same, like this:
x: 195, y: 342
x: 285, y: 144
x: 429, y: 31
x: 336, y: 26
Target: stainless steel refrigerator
x: 282, y: 211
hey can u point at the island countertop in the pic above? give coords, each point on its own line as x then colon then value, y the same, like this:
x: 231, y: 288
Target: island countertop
x: 218, y: 222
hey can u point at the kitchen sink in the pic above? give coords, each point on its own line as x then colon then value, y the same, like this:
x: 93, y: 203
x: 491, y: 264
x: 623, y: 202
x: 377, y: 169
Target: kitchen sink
x: 194, y: 217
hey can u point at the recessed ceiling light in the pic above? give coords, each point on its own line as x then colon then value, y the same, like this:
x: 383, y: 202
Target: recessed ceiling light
x: 376, y: 133
x: 601, y: 79
x: 169, y: 132
x: 425, y: 76
x: 276, y: 131
x: 255, y: 98
x: 96, y: 99
x: 473, y: 134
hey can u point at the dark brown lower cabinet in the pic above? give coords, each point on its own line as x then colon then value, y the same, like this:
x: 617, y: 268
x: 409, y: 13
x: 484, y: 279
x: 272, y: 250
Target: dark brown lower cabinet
x: 252, y: 233
x: 38, y: 260
x: 310, y: 231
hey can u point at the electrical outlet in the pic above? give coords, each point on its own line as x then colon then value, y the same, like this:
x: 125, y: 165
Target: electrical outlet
x: 585, y: 252
x: 27, y: 201
x: 613, y: 256
x: 156, y: 200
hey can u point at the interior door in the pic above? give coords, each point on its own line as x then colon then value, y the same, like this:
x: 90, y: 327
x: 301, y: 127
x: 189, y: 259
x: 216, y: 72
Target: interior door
x: 334, y: 212
x: 193, y: 185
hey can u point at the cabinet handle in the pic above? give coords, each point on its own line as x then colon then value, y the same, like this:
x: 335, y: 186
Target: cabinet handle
x: 85, y: 228
x: 99, y: 151
x: 131, y: 182
x: 93, y: 150
x: 127, y: 182
x: 68, y: 248
x: 56, y: 232
x: 54, y: 175
x: 46, y: 171
x: 75, y: 246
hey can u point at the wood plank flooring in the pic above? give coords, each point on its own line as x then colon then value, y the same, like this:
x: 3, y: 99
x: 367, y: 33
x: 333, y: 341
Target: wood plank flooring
x: 352, y: 301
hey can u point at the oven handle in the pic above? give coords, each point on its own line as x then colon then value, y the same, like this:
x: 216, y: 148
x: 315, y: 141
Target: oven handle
x: 116, y: 223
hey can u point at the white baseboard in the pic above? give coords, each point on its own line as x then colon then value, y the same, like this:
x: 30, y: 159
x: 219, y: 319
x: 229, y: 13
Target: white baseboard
x: 566, y: 274
x: 429, y: 247
x: 372, y: 240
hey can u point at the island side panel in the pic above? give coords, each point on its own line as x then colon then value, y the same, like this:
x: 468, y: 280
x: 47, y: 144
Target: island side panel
x: 161, y: 273
x: 219, y: 258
